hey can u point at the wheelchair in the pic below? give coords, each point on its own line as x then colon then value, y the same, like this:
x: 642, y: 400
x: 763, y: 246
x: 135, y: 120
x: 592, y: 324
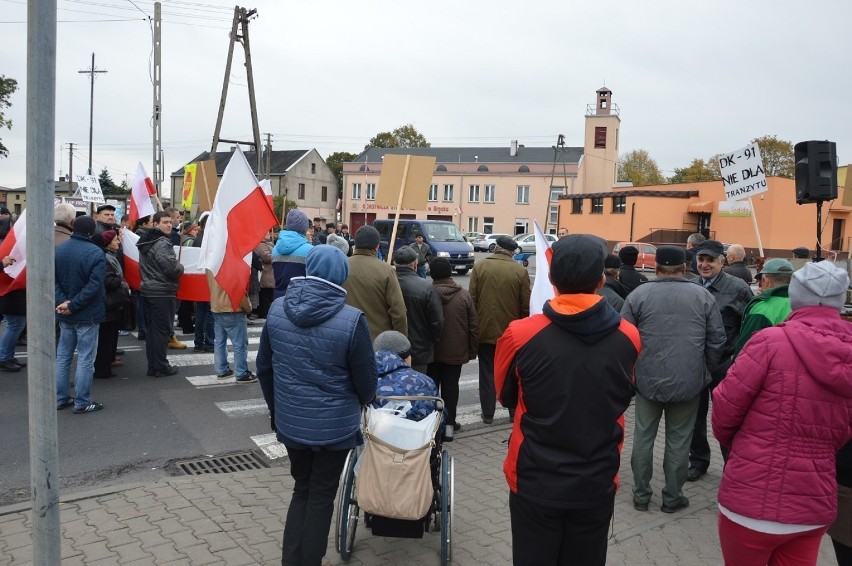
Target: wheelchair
x: 439, y: 517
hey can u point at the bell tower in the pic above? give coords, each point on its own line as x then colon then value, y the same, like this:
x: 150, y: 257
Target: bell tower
x: 600, y: 147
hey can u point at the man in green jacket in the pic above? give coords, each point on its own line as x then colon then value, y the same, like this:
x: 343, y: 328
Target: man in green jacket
x: 772, y: 305
x: 500, y: 288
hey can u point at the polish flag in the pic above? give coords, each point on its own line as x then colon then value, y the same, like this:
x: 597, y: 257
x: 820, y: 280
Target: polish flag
x: 14, y: 277
x: 542, y: 290
x: 140, y: 195
x: 241, y: 217
x: 192, y: 285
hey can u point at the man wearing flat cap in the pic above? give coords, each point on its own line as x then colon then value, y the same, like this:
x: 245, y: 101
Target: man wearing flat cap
x: 772, y: 305
x: 682, y: 340
x: 627, y: 274
x: 319, y: 231
x: 732, y: 294
x: 105, y: 218
x: 423, y: 309
x: 500, y: 289
x: 568, y: 372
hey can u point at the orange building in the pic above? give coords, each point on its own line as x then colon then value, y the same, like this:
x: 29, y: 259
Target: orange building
x: 669, y: 213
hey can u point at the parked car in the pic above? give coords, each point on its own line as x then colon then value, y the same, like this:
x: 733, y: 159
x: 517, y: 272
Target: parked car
x: 486, y: 242
x: 471, y: 236
x: 647, y: 254
x: 527, y: 242
x: 443, y: 238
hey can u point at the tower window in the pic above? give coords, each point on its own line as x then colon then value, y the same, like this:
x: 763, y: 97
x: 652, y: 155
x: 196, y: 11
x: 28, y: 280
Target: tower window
x: 600, y: 137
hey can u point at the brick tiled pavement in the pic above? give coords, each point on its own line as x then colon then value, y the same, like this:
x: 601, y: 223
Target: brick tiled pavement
x: 237, y: 519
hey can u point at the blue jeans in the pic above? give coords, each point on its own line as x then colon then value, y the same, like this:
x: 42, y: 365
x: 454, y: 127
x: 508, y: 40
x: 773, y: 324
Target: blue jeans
x: 204, y: 326
x: 233, y: 325
x: 83, y: 337
x: 15, y: 324
x: 421, y: 271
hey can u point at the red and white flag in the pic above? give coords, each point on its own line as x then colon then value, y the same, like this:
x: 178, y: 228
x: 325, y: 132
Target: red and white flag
x: 140, y: 195
x: 241, y: 216
x: 542, y: 290
x: 14, y: 277
x: 192, y: 285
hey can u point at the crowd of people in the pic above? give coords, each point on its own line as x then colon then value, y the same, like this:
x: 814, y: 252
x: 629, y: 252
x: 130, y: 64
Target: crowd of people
x: 342, y: 325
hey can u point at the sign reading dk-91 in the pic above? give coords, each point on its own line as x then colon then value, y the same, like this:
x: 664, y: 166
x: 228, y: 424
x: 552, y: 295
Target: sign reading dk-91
x: 742, y: 173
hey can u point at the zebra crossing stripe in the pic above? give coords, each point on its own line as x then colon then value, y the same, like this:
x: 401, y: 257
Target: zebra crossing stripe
x: 270, y: 446
x: 244, y: 408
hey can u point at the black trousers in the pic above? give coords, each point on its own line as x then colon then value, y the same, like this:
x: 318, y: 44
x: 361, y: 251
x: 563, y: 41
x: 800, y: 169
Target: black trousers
x: 564, y: 537
x: 185, y: 311
x: 487, y: 392
x: 446, y: 377
x: 317, y: 474
x: 266, y: 297
x: 107, y: 343
x: 159, y: 314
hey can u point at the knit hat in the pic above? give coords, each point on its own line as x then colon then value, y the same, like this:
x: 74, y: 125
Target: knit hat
x: 628, y: 255
x: 338, y: 242
x: 393, y: 341
x: 612, y: 261
x: 670, y: 256
x: 327, y: 262
x: 84, y: 225
x: 577, y: 264
x: 506, y: 243
x: 440, y: 268
x: 819, y: 284
x: 366, y: 238
x: 297, y: 221
x: 107, y: 236
x: 404, y: 255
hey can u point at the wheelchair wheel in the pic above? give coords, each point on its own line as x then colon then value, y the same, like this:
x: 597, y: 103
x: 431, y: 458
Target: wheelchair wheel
x: 447, y: 507
x: 347, y: 509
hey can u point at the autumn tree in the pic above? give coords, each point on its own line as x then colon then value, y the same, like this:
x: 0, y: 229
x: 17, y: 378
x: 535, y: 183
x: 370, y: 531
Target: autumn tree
x: 403, y: 136
x: 335, y: 162
x: 777, y: 156
x: 7, y: 87
x: 637, y: 167
x: 695, y: 172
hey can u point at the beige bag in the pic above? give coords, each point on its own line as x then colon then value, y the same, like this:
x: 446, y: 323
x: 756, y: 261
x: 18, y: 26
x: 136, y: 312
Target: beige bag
x: 394, y: 483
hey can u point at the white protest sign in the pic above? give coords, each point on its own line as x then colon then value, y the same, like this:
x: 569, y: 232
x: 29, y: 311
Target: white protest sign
x: 742, y: 173
x: 90, y: 189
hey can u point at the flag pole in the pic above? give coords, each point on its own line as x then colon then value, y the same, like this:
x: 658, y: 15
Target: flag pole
x: 398, y: 209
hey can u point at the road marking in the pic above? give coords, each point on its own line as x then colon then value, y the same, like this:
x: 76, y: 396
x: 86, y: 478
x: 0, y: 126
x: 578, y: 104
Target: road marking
x: 270, y: 445
x: 244, y: 408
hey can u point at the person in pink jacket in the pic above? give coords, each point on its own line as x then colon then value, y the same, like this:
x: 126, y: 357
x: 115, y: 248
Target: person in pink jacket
x: 784, y: 410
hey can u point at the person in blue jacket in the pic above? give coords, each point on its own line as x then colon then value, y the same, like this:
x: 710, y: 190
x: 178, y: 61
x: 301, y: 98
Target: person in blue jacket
x: 288, y: 255
x: 316, y: 369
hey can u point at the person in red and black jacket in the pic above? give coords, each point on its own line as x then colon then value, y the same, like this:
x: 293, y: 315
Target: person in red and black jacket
x: 568, y: 373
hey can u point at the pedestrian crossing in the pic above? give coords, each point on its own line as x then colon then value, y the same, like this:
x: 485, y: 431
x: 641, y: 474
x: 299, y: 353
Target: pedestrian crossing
x: 197, y: 369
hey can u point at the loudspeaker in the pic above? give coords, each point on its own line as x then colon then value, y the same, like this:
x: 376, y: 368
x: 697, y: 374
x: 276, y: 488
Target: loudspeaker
x: 816, y: 171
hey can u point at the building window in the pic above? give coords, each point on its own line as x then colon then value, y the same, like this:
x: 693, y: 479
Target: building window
x: 600, y: 137
x: 577, y: 206
x: 433, y: 193
x: 523, y: 194
x: 473, y: 193
x: 522, y: 225
x: 555, y: 193
x: 301, y: 191
x: 448, y: 193
x: 597, y: 205
x: 553, y: 214
x: 490, y: 191
x: 313, y: 168
x: 356, y: 191
x: 619, y: 205
x: 488, y: 225
x: 371, y: 191
x: 472, y: 224
x: 324, y: 193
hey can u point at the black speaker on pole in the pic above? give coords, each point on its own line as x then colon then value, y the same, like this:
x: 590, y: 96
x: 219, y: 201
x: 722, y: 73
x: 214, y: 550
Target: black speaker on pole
x: 816, y: 171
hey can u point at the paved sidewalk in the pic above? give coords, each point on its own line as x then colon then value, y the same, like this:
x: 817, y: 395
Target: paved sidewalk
x: 237, y: 519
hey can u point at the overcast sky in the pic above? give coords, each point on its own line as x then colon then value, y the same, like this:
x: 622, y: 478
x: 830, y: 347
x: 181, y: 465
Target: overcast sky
x: 691, y: 78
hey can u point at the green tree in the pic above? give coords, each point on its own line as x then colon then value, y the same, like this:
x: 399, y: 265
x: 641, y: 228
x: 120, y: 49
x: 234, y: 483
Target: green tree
x: 403, y: 136
x: 108, y: 186
x: 637, y: 167
x: 777, y: 156
x: 335, y: 162
x: 279, y: 208
x: 124, y: 187
x: 7, y: 87
x: 695, y: 172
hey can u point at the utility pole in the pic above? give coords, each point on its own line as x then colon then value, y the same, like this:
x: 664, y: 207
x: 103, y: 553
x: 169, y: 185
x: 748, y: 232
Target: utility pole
x: 268, y: 156
x: 70, y: 168
x: 41, y: 382
x: 158, y: 101
x: 91, y: 71
x: 240, y: 21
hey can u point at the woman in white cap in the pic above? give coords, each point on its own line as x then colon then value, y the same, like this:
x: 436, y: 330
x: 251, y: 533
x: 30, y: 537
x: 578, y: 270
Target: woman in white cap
x: 784, y: 411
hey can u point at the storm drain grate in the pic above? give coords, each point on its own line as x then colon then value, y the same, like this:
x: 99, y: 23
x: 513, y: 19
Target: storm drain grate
x: 222, y: 464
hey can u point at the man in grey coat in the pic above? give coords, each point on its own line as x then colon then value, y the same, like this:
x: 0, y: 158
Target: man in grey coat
x: 682, y: 341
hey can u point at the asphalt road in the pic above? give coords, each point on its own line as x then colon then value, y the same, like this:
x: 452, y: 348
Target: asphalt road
x: 148, y: 424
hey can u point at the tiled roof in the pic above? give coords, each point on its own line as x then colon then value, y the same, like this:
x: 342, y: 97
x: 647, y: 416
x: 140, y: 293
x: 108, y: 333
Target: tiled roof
x: 477, y: 154
x: 634, y: 193
x: 281, y: 161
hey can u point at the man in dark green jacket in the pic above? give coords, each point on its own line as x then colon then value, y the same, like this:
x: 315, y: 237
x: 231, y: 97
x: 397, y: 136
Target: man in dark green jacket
x: 772, y: 305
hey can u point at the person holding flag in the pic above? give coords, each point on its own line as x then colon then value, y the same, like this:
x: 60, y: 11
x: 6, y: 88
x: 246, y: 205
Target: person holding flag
x: 13, y: 305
